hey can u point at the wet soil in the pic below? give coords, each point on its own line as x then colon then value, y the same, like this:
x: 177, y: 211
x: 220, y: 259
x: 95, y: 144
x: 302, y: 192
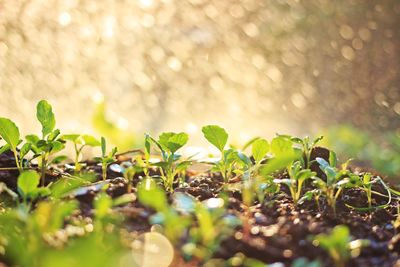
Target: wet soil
x: 278, y: 231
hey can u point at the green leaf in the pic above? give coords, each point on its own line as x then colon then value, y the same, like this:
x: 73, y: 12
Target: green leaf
x: 25, y: 149
x: 278, y: 163
x: 332, y: 158
x: 90, y: 140
x: 32, y: 138
x: 259, y: 149
x: 59, y: 159
x: 173, y: 141
x: 9, y: 132
x: 103, y: 146
x: 28, y: 182
x: 216, y: 135
x: 70, y: 137
x: 45, y: 115
x: 56, y: 146
x: 281, y: 145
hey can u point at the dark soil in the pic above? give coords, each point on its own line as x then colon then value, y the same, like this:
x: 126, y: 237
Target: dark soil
x: 279, y: 232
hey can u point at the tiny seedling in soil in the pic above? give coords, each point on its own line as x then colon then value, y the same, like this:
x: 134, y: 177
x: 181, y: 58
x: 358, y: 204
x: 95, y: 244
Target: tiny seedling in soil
x: 218, y: 137
x: 80, y: 141
x: 106, y: 159
x: 171, y: 164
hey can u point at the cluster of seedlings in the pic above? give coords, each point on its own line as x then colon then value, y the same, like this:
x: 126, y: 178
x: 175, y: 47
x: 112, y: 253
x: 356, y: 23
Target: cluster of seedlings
x: 95, y: 212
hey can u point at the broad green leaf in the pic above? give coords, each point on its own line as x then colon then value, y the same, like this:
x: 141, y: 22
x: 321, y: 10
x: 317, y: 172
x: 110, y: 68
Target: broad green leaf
x: 173, y: 141
x: 259, y: 149
x: 9, y: 132
x: 45, y: 115
x: 28, y: 181
x: 90, y: 140
x: 216, y: 135
x: 281, y: 145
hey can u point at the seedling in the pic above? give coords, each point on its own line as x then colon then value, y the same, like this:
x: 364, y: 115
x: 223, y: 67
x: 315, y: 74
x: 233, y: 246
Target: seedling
x: 218, y: 137
x: 80, y: 141
x: 10, y: 133
x: 253, y: 182
x: 50, y: 142
x: 297, y: 177
x: 106, y: 159
x: 129, y: 170
x: 171, y: 164
x: 339, y: 246
x: 307, y: 147
x: 336, y: 181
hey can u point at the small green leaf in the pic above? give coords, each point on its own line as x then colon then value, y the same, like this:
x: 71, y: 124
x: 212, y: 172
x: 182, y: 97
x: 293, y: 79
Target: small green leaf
x: 25, y: 149
x: 216, y: 135
x: 45, y: 115
x: 103, y: 146
x: 173, y: 141
x: 90, y: 140
x: 59, y: 159
x: 70, y: 137
x: 259, y: 149
x: 28, y: 182
x: 9, y: 132
x: 332, y: 158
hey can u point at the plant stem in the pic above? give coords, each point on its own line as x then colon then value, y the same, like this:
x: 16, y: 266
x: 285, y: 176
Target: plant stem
x: 16, y: 161
x: 104, y: 171
x: 43, y: 168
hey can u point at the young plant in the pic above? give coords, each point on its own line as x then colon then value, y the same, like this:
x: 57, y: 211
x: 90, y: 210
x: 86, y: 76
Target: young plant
x: 50, y: 141
x: 297, y: 177
x: 307, y: 147
x: 218, y: 137
x: 339, y: 245
x: 129, y: 170
x: 106, y: 159
x: 171, y: 164
x: 253, y: 182
x: 336, y: 181
x: 80, y: 141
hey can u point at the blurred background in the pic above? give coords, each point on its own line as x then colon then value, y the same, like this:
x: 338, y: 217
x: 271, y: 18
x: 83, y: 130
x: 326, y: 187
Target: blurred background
x: 255, y: 67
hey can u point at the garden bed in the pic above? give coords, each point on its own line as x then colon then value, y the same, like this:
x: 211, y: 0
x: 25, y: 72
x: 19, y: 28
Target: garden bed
x: 286, y: 202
